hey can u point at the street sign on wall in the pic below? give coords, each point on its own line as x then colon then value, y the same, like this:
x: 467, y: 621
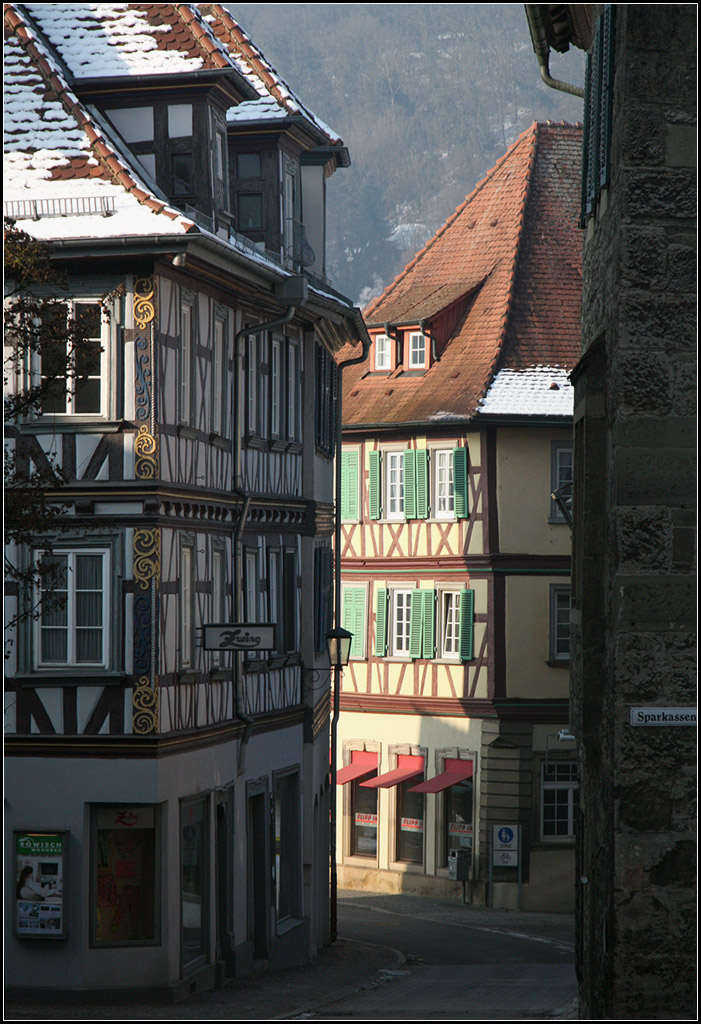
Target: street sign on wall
x: 505, y: 846
x: 238, y: 636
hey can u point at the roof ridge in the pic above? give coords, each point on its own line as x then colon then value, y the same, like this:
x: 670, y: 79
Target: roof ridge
x: 530, y: 167
x: 369, y: 309
x: 100, y: 147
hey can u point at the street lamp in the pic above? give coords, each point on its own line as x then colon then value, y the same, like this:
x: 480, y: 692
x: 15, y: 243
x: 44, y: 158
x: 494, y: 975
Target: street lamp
x: 338, y: 643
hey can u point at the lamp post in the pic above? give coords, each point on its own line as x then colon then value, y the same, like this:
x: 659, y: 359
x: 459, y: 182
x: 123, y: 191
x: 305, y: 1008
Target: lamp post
x: 338, y: 643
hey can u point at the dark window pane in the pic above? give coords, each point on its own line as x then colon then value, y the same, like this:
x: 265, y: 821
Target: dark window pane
x: 250, y: 211
x: 182, y: 174
x: 410, y: 823
x: 248, y: 165
x: 125, y: 875
x: 88, y: 319
x: 87, y: 396
x: 458, y: 816
x: 364, y: 811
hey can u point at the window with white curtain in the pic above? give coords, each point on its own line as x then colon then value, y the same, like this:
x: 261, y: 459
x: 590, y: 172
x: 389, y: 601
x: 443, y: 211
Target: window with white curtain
x: 72, y: 627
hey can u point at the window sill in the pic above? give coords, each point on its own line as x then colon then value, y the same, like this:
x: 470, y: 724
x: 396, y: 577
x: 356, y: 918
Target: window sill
x: 557, y: 521
x: 287, y: 924
x: 183, y: 430
x: 188, y: 676
x: 254, y: 441
x: 559, y: 663
x: 76, y: 424
x: 217, y: 441
x: 556, y: 843
x: 70, y: 676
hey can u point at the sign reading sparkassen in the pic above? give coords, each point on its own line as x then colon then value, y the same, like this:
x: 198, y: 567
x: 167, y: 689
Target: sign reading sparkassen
x: 663, y: 716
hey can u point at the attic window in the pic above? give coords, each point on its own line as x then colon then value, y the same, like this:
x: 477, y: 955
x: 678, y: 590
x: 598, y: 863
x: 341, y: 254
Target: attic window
x: 383, y: 352
x: 180, y: 120
x: 248, y: 165
x: 417, y: 351
x: 182, y: 174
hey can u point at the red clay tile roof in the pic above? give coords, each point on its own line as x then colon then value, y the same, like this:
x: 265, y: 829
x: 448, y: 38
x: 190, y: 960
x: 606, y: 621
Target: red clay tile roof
x: 513, y: 249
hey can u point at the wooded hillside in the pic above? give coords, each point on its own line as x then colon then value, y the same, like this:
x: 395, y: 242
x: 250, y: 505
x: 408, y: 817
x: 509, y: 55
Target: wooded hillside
x: 425, y: 96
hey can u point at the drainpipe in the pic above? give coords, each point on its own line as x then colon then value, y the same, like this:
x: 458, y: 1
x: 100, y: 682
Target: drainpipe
x: 362, y: 330
x: 293, y: 293
x: 542, y: 52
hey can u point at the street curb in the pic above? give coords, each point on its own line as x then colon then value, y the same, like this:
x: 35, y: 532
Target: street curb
x: 349, y: 990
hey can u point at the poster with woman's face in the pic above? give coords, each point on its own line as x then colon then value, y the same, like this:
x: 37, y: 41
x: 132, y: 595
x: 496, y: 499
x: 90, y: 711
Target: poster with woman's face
x: 39, y: 884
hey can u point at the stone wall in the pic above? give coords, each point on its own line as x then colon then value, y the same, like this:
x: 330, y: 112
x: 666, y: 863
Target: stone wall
x: 634, y: 545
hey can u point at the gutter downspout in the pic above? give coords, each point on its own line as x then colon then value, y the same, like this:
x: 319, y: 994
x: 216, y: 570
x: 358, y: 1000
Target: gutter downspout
x: 243, y: 516
x: 541, y: 48
x: 337, y: 615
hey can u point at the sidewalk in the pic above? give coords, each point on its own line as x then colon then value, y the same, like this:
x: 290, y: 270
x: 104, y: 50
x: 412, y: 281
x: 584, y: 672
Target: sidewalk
x: 342, y: 969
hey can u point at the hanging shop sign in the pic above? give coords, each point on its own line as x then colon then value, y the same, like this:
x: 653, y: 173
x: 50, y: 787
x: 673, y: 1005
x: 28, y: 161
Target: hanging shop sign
x: 238, y: 636
x: 40, y: 868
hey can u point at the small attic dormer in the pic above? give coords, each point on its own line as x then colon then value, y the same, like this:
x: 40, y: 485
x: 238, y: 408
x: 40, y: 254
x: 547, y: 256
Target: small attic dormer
x: 278, y: 185
x: 175, y: 127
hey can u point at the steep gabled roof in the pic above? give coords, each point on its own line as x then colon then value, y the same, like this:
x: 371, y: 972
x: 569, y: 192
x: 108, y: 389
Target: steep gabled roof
x: 276, y: 99
x: 511, y: 253
x: 58, y: 156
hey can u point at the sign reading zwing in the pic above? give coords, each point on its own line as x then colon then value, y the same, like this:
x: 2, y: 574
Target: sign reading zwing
x: 238, y: 636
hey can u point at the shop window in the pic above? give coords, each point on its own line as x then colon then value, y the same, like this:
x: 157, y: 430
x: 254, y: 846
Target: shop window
x: 287, y: 846
x: 124, y: 876
x: 410, y: 817
x: 457, y: 812
x: 364, y: 808
x: 193, y: 891
x: 558, y: 795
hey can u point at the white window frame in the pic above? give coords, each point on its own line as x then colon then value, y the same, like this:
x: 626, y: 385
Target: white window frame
x: 443, y: 496
x: 294, y: 391
x: 417, y: 354
x: 557, y: 593
x: 219, y: 377
x: 252, y: 378
x: 448, y: 624
x: 383, y: 352
x: 399, y: 623
x: 72, y: 306
x: 218, y: 607
x: 71, y: 628
x: 252, y: 586
x: 187, y: 313
x: 186, y: 603
x: 275, y: 387
x: 393, y: 503
x: 558, y: 478
x: 558, y: 782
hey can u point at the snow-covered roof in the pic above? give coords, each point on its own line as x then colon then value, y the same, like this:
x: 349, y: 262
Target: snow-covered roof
x: 251, y: 62
x: 536, y: 391
x: 264, y: 109
x: 54, y: 151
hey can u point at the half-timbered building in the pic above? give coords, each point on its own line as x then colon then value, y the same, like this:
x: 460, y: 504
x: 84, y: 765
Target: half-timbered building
x: 167, y: 805
x: 456, y: 555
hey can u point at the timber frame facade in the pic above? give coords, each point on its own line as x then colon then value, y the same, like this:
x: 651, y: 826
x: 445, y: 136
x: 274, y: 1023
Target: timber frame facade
x: 455, y: 557
x: 182, y: 793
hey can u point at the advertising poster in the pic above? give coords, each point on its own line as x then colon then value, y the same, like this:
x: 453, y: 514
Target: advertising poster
x: 40, y: 865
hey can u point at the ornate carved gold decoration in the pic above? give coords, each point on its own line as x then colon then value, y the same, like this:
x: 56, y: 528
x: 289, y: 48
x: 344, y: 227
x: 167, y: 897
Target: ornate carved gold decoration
x: 144, y: 706
x: 147, y: 556
x: 144, y: 307
x: 146, y: 452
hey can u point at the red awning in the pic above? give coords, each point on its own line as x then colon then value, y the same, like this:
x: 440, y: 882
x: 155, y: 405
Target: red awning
x: 457, y: 772
x: 409, y: 767
x: 353, y: 771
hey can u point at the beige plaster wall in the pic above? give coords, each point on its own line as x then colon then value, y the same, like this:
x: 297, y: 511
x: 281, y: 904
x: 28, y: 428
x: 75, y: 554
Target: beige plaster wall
x: 523, y: 492
x: 527, y: 639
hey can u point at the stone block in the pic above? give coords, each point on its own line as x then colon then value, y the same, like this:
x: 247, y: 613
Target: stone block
x: 643, y: 136
x: 680, y: 145
x: 644, y: 538
x: 655, y: 317
x: 684, y: 548
x: 655, y: 667
x: 655, y: 79
x: 655, y: 432
x: 642, y: 603
x: 648, y: 195
x: 648, y: 476
x: 642, y: 383
x: 682, y: 268
x: 645, y: 807
x: 685, y: 400
x: 644, y: 257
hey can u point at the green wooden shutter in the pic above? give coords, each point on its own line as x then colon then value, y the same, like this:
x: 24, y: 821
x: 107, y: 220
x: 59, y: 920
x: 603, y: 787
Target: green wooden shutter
x: 349, y: 485
x: 374, y: 482
x: 429, y: 641
x: 410, y: 484
x: 467, y: 607
x: 606, y: 94
x: 421, y: 483
x: 354, y: 618
x: 381, y: 622
x: 416, y: 624
x: 460, y: 483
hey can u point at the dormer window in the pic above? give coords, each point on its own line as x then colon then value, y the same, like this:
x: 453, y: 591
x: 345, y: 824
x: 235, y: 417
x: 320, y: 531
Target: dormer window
x: 250, y: 211
x: 182, y: 174
x: 383, y: 352
x: 417, y: 351
x: 248, y: 165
